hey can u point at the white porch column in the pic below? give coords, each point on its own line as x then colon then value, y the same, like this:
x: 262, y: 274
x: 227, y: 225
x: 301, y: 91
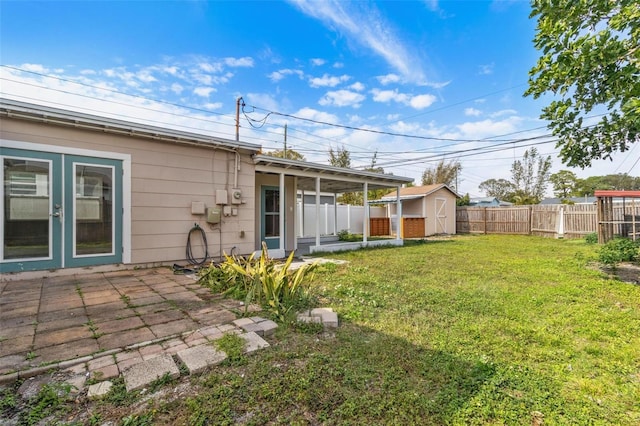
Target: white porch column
x: 398, y: 216
x: 365, y: 222
x: 302, y: 216
x: 335, y: 214
x: 349, y: 218
x: 318, y: 211
x: 282, y: 209
x: 295, y: 211
x: 326, y: 219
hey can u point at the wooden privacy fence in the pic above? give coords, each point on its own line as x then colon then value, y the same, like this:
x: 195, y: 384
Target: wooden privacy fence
x: 567, y: 221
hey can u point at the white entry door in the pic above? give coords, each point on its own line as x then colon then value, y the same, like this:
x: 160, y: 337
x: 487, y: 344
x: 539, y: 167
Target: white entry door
x: 441, y: 216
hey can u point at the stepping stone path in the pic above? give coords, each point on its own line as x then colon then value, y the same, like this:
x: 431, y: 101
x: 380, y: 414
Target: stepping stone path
x: 142, y: 364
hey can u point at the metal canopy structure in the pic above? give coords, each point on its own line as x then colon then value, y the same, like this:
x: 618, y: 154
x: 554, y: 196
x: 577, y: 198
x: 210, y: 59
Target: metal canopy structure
x: 618, y: 214
x: 332, y: 179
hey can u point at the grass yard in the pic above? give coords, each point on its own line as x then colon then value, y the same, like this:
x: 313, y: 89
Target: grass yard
x: 473, y: 330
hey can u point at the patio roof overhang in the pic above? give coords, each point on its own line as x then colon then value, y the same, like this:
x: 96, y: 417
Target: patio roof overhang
x: 332, y: 179
x: 393, y: 200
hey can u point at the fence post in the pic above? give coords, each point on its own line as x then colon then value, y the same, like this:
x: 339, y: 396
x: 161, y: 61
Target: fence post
x: 530, y: 211
x: 484, y: 217
x: 560, y: 220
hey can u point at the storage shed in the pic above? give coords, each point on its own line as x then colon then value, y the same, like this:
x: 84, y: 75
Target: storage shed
x: 425, y: 210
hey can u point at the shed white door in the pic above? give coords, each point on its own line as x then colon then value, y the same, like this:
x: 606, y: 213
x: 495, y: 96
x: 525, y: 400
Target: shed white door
x: 441, y: 215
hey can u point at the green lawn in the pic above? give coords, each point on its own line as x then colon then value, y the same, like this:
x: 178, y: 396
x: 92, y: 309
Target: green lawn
x: 473, y: 330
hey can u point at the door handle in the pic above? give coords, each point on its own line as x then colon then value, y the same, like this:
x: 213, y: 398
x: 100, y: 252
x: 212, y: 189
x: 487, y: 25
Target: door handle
x: 56, y: 214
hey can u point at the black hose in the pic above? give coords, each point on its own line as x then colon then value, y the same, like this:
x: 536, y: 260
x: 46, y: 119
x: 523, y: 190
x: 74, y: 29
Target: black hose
x: 190, y: 257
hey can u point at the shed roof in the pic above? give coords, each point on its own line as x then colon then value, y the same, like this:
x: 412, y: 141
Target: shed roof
x: 419, y: 191
x: 40, y: 113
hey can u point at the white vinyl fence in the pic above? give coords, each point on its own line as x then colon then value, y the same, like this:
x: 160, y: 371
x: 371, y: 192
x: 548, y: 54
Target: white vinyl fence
x: 348, y: 217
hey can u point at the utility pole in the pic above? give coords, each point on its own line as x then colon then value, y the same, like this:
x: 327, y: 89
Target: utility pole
x: 238, y: 118
x: 284, y: 154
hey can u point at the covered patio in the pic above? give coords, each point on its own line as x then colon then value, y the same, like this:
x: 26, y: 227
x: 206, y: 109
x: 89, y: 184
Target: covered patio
x: 290, y: 176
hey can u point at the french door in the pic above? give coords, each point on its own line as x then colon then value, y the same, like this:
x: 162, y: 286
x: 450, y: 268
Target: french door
x: 270, y: 212
x: 59, y: 210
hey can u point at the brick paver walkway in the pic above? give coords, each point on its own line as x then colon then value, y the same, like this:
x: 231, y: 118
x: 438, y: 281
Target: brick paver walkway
x: 55, y: 319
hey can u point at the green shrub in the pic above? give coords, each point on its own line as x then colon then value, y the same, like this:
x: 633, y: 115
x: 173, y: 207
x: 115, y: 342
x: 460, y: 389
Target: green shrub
x: 264, y: 281
x: 591, y: 238
x: 618, y: 250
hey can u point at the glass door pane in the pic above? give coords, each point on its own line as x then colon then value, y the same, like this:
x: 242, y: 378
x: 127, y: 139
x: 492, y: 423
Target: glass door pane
x: 27, y: 201
x: 93, y: 207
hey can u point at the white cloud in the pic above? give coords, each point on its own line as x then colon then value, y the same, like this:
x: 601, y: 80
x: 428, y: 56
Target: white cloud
x: 422, y: 101
x: 262, y: 100
x: 338, y: 65
x: 280, y: 74
x: 342, y: 98
x: 146, y: 76
x: 487, y: 128
x: 432, y: 5
x: 212, y: 67
x: 357, y: 86
x: 503, y: 112
x: 328, y: 80
x: 88, y: 72
x: 389, y: 95
x: 35, y: 68
x: 317, y: 62
x: 212, y: 105
x: 366, y: 25
x: 472, y: 112
x: 387, y: 79
x: 486, y: 69
x: 176, y: 88
x: 204, y: 91
x: 313, y: 114
x: 246, y: 62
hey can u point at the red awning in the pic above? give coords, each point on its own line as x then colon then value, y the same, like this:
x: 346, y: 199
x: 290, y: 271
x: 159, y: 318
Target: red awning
x: 616, y: 193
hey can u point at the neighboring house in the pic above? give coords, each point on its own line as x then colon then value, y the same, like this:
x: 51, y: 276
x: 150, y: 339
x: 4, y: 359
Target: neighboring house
x: 488, y: 202
x: 570, y: 200
x: 81, y: 190
x: 426, y: 210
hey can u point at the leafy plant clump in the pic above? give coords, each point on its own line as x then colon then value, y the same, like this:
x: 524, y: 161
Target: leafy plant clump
x: 618, y: 250
x: 273, y: 285
x: 591, y: 238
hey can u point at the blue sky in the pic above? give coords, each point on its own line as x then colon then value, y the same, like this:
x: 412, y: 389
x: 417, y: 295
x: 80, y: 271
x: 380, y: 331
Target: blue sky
x: 431, y: 79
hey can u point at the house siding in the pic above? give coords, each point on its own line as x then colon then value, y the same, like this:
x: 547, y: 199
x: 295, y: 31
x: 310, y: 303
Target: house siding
x: 165, y: 178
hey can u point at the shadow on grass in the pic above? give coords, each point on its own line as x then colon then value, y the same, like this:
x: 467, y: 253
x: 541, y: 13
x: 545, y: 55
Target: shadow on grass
x: 361, y: 376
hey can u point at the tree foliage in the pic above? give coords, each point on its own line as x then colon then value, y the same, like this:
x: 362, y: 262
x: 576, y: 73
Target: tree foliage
x: 502, y: 189
x: 530, y: 177
x: 289, y: 154
x: 564, y: 184
x: 590, y: 63
x: 443, y: 172
x: 529, y: 180
x: 340, y: 157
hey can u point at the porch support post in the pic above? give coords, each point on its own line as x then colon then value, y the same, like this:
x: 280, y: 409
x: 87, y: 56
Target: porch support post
x: 282, y: 209
x: 295, y: 211
x: 302, y: 216
x: 318, y: 211
x: 399, y: 233
x: 365, y: 222
x: 335, y: 214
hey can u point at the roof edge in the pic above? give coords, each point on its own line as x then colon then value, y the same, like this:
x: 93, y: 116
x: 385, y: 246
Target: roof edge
x: 12, y: 108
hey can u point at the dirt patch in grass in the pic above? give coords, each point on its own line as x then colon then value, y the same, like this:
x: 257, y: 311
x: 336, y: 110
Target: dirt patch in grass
x: 626, y: 272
